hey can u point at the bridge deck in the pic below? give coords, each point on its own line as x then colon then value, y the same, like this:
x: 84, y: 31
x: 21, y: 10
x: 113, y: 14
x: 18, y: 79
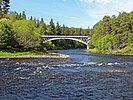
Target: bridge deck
x: 61, y: 36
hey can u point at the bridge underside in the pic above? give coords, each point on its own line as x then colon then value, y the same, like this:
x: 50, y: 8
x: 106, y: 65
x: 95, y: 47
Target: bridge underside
x: 82, y: 39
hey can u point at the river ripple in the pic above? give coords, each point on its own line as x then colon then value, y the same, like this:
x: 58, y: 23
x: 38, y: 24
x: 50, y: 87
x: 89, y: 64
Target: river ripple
x: 83, y: 76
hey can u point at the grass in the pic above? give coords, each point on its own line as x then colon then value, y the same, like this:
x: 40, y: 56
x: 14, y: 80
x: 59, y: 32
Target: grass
x: 124, y: 51
x: 93, y: 50
x: 5, y: 54
x: 31, y: 55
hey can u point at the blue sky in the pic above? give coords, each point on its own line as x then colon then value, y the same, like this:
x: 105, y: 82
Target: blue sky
x: 73, y: 13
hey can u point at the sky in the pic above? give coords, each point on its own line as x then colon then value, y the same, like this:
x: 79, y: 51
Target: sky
x: 72, y: 13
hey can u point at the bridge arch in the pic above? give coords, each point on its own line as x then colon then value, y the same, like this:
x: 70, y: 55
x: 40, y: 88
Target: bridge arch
x: 82, y: 39
x: 65, y: 39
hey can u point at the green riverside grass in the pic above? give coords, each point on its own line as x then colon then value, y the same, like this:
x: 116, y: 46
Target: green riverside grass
x: 124, y: 51
x: 8, y: 54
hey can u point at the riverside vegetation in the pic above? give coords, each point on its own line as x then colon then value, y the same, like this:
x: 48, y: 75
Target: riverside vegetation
x: 20, y: 34
x: 111, y: 35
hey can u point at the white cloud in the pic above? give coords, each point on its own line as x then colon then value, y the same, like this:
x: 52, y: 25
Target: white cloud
x: 96, y: 9
x: 71, y: 17
x: 98, y: 1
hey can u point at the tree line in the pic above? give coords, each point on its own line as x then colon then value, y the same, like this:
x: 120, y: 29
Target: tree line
x: 19, y: 33
x: 113, y: 34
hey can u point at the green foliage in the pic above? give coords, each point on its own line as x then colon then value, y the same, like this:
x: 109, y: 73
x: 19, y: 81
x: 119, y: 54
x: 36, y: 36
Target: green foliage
x: 26, y: 35
x: 113, y: 33
x: 23, y: 16
x: 49, y: 45
x: 6, y: 34
x: 13, y: 16
x: 58, y: 29
x: 42, y: 27
x: 20, y: 34
x: 51, y: 28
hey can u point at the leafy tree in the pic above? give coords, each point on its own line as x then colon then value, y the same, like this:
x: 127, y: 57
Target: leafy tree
x: 114, y: 33
x: 6, y: 34
x: 26, y: 35
x: 13, y: 16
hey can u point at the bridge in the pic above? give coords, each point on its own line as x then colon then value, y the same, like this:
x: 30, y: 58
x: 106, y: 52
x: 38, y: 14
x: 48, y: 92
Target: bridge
x: 82, y: 39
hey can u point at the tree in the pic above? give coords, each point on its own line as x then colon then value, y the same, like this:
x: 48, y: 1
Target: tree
x: 23, y: 15
x: 34, y: 20
x: 88, y: 32
x: 58, y: 29
x: 0, y: 8
x: 26, y: 35
x: 37, y: 23
x: 63, y: 29
x: 42, y: 27
x: 4, y: 7
x: 31, y: 18
x: 51, y: 28
x: 6, y: 34
x: 13, y: 16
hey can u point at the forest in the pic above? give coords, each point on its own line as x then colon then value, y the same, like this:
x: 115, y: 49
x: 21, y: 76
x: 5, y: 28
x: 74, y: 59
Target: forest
x: 113, y: 35
x: 21, y: 34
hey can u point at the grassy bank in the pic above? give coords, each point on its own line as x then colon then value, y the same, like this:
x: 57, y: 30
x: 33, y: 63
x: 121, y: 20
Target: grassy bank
x: 5, y: 54
x: 124, y: 51
x: 31, y: 55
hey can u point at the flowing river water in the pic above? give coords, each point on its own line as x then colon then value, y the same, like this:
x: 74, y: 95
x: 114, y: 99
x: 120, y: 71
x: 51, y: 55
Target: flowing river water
x: 82, y: 76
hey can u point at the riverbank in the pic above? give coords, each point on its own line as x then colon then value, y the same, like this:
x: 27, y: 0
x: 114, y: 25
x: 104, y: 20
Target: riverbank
x: 5, y: 55
x: 125, y: 51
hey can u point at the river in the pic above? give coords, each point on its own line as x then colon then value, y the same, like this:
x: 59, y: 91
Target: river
x: 82, y: 76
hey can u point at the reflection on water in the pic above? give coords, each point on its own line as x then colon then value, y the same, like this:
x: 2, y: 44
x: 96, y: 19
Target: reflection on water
x: 82, y: 76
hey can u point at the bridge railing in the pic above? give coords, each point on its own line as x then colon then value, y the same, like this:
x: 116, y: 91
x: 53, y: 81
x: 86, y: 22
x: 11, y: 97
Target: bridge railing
x: 54, y: 36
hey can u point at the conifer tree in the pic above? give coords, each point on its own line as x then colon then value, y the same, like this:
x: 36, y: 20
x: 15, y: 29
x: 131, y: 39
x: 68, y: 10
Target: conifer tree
x: 42, y: 27
x: 63, y: 29
x: 19, y: 16
x: 23, y: 15
x: 4, y: 7
x: 31, y: 18
x: 37, y: 23
x: 58, y: 29
x: 51, y: 27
